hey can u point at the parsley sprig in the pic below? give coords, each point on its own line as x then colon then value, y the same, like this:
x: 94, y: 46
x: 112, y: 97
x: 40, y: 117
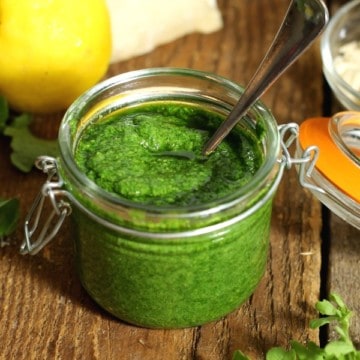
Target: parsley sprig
x: 333, y: 311
x: 25, y: 149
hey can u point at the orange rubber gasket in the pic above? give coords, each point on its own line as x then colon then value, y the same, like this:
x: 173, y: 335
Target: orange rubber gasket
x: 332, y: 162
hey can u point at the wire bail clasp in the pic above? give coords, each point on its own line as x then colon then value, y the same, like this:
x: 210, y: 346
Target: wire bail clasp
x: 52, y: 189
x: 306, y: 161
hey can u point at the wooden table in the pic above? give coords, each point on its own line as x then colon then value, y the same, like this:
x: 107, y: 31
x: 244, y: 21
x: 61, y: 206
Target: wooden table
x: 46, y: 314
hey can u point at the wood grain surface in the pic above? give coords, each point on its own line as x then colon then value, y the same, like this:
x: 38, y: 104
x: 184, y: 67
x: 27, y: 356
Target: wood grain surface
x: 46, y: 314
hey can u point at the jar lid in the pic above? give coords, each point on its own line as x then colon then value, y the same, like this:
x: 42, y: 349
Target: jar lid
x: 334, y: 174
x: 338, y: 140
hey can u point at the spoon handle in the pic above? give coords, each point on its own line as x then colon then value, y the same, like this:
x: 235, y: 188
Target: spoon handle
x: 303, y: 22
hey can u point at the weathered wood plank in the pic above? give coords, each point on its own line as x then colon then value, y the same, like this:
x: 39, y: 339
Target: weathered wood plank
x: 344, y: 269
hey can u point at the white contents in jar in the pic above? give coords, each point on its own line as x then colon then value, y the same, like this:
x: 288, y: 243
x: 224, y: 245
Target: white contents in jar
x: 347, y: 63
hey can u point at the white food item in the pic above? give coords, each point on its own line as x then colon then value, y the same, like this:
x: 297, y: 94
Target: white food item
x: 347, y: 64
x: 138, y: 26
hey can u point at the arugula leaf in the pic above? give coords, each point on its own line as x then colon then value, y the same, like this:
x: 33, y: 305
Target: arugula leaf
x: 9, y: 216
x: 27, y: 147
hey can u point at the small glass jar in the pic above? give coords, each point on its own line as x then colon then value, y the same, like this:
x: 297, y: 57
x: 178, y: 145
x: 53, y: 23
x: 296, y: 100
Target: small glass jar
x: 156, y: 266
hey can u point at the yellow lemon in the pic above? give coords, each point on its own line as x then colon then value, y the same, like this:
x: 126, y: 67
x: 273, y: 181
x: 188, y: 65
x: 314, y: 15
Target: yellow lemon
x: 51, y: 51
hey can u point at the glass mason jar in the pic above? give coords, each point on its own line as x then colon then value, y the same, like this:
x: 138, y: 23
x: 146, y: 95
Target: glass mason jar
x: 156, y: 266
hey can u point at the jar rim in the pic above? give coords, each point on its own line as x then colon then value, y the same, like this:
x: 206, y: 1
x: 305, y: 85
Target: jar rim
x: 93, y: 190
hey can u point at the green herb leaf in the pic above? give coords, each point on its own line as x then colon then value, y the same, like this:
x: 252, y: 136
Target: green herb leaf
x: 4, y: 113
x: 335, y: 311
x: 343, y: 333
x: 27, y: 147
x: 338, y: 300
x: 278, y: 353
x: 325, y: 307
x: 238, y: 355
x: 316, y: 323
x: 9, y: 216
x: 309, y: 352
x: 315, y: 352
x: 339, y: 348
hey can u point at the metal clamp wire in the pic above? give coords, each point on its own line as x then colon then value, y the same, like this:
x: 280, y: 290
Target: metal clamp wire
x: 52, y: 190
x: 305, y: 163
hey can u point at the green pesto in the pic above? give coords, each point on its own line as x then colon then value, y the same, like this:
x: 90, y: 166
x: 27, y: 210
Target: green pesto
x: 151, y: 154
x: 177, y: 283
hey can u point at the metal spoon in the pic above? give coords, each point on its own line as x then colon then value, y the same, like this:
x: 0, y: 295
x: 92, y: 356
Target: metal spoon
x: 303, y: 22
